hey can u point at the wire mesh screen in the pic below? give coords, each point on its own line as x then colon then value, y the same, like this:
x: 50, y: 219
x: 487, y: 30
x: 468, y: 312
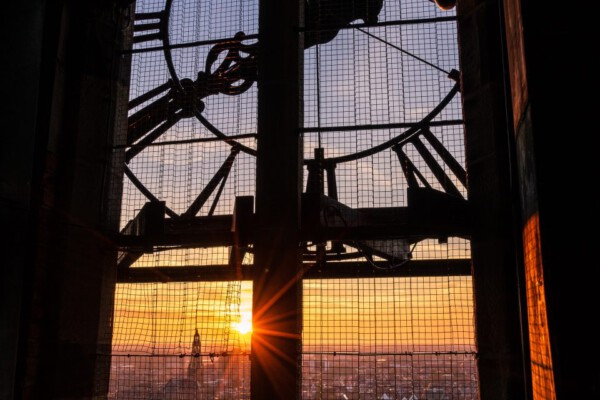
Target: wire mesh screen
x: 382, y: 120
x: 181, y: 341
x: 185, y: 150
x: 373, y: 84
x: 381, y: 107
x: 183, y: 100
x: 389, y: 338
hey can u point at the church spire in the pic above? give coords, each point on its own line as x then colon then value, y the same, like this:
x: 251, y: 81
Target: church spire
x: 195, y: 366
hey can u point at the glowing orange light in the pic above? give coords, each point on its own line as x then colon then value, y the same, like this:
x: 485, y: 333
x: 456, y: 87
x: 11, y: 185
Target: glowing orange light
x: 245, y: 325
x: 445, y: 5
x: 542, y: 372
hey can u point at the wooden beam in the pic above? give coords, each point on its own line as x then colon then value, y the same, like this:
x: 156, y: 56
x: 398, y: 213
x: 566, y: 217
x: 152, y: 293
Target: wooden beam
x: 430, y: 214
x: 331, y: 270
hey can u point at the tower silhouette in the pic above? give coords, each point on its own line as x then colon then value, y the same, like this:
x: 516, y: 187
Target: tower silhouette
x: 195, y: 366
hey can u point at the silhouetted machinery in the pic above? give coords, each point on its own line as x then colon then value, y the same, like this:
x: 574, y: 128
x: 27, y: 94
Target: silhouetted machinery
x: 433, y: 211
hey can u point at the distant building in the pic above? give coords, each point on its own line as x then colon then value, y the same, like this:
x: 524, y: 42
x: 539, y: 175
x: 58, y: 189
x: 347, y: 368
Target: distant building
x: 187, y: 388
x: 181, y: 389
x: 195, y: 366
x: 434, y: 393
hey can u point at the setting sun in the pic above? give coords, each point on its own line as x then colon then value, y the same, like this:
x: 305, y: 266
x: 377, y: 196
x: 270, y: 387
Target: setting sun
x: 245, y: 324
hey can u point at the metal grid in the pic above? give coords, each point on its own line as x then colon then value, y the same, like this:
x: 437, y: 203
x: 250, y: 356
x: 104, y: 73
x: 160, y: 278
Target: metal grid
x: 362, y: 337
x: 389, y: 338
x: 403, y: 337
x: 377, y: 80
x: 178, y: 164
x: 153, y: 349
x: 154, y: 352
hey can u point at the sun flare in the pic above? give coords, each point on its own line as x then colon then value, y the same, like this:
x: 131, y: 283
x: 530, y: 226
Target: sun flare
x: 245, y: 325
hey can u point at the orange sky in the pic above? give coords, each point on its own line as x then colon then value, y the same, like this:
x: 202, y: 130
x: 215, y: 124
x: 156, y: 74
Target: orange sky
x: 347, y: 314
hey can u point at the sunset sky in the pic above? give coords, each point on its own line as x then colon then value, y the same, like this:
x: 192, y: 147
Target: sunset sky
x: 353, y: 80
x: 342, y: 314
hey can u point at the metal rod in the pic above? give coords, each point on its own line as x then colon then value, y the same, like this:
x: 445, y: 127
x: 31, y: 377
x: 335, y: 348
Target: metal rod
x: 404, y: 136
x: 335, y: 270
x: 148, y: 95
x: 408, y: 53
x: 140, y: 186
x: 399, y: 125
x: 409, y: 169
x: 448, y: 158
x: 387, y: 353
x: 181, y: 355
x: 436, y: 168
x: 218, y: 195
x: 212, y: 184
x: 255, y: 36
x: 331, y: 181
x: 136, y: 148
x: 149, y: 15
x: 387, y: 23
x: 188, y: 141
x: 187, y: 44
x: 379, y: 126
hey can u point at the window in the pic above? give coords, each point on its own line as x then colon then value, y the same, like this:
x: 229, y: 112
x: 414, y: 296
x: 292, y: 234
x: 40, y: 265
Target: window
x: 387, y: 306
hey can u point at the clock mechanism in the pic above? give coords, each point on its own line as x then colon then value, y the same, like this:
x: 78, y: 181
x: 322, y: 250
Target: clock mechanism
x: 213, y: 75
